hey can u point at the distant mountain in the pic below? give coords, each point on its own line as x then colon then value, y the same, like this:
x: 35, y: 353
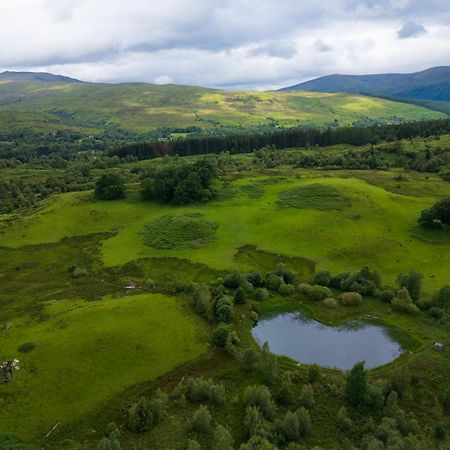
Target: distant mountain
x: 430, y: 84
x: 42, y: 77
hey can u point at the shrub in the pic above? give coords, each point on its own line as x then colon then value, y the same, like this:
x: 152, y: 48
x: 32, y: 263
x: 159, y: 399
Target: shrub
x: 387, y: 295
x: 240, y: 297
x: 436, y: 313
x: 304, y: 421
x: 318, y: 293
x: 225, y: 310
x: 442, y: 298
x: 139, y: 416
x: 222, y: 439
x: 198, y: 390
x: 404, y: 306
x: 26, y: 347
x: 344, y: 421
x: 109, y: 186
x: 259, y: 396
x: 253, y: 420
x: 350, y: 299
x: 307, y: 396
x: 149, y: 284
x: 255, y: 278
x: 290, y: 427
x: 304, y: 289
x: 232, y: 280
x: 201, y: 298
x: 261, y: 294
x: 412, y: 282
x: 220, y: 335
x: 202, y: 420
x: 250, y: 359
x: 286, y: 289
x: 193, y: 445
x: 254, y: 316
x: 313, y: 373
x: 440, y: 431
x: 330, y: 303
x: 79, y: 272
x: 273, y: 282
x: 356, y: 385
x: 323, y: 278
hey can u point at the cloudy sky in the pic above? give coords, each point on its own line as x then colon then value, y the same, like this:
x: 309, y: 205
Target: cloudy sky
x: 258, y: 44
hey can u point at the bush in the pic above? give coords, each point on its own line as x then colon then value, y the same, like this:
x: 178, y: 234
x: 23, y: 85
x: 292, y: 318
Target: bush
x: 79, y: 272
x: 201, y: 298
x: 225, y: 310
x: 253, y: 420
x: 307, y: 396
x: 193, y: 445
x: 240, y: 297
x: 356, y: 385
x: 149, y: 284
x: 198, y: 390
x: 436, y: 313
x: 222, y: 439
x: 351, y: 299
x: 318, y: 293
x: 290, y: 427
x: 220, y: 335
x: 304, y: 421
x: 404, y: 306
x: 387, y: 295
x: 442, y: 298
x: 323, y: 278
x: 250, y: 359
x: 304, y: 289
x: 273, y: 282
x: 330, y: 303
x: 286, y: 289
x: 139, y: 416
x: 440, y: 431
x: 110, y: 186
x: 26, y: 347
x: 344, y: 421
x: 261, y: 294
x: 202, y: 420
x: 260, y: 396
x: 255, y: 278
x: 313, y: 373
x: 232, y: 280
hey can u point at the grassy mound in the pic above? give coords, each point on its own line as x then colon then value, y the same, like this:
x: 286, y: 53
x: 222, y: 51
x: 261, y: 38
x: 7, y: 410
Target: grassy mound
x: 189, y: 231
x: 313, y: 196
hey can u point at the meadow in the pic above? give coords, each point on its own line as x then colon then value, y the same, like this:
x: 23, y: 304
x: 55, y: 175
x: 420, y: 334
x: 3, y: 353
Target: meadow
x: 143, y: 107
x: 96, y: 346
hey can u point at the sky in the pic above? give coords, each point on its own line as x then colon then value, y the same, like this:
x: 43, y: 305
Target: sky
x: 229, y: 44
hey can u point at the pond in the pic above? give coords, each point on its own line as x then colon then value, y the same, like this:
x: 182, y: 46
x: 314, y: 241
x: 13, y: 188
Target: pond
x: 310, y: 342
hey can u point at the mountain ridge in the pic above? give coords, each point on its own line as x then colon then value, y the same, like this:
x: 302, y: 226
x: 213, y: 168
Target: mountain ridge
x: 428, y: 84
x: 43, y: 77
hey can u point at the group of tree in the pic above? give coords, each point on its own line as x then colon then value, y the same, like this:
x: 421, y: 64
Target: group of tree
x: 180, y: 183
x: 438, y: 216
x: 286, y: 138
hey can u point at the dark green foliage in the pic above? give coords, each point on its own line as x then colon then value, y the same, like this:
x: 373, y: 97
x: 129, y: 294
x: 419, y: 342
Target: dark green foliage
x: 111, y: 439
x: 436, y: 216
x: 313, y: 373
x: 232, y: 280
x: 198, y: 390
x: 314, y: 196
x: 193, y: 445
x: 253, y: 421
x: 139, y: 416
x: 304, y: 421
x: 240, y: 297
x: 259, y: 396
x: 289, y: 426
x: 323, y: 278
x: 356, y: 385
x: 169, y: 232
x: 273, y: 281
x: 261, y: 294
x: 446, y: 400
x: 440, y: 431
x: 442, y: 298
x: 344, y: 421
x: 387, y: 295
x: 224, y: 337
x: 403, y: 302
x: 412, y: 282
x: 222, y: 439
x: 149, y: 284
x: 201, y: 298
x: 351, y: 299
x: 202, y: 420
x: 224, y: 310
x: 318, y: 293
x: 307, y: 396
x: 365, y: 282
x: 250, y: 359
x: 180, y: 184
x: 110, y: 186
x: 26, y: 347
x: 255, y: 279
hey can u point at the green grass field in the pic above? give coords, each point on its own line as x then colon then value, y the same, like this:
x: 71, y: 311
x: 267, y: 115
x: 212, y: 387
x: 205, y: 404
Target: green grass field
x: 376, y: 228
x: 88, y: 353
x: 143, y: 107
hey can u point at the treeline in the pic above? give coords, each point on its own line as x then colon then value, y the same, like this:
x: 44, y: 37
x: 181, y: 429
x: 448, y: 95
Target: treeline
x: 292, y: 137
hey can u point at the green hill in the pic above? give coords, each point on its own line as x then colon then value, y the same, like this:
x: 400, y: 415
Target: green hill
x: 141, y: 107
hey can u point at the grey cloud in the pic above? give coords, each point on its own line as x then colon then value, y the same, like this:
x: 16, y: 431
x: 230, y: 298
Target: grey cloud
x: 285, y: 50
x: 411, y: 29
x: 322, y: 46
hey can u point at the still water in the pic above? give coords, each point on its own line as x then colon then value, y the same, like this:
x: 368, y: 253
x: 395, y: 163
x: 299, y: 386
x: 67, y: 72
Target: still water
x: 310, y: 342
